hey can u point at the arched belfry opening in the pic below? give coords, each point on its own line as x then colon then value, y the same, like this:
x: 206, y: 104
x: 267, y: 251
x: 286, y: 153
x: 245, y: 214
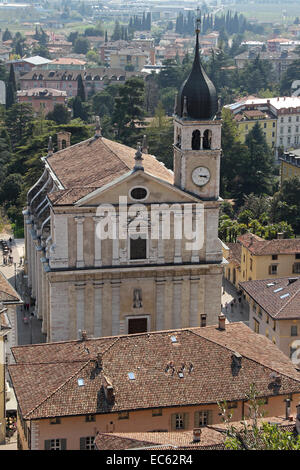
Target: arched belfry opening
x: 196, y: 136
x: 207, y: 139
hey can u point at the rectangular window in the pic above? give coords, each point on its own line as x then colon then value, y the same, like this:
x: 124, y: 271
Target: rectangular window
x: 56, y: 444
x: 289, y: 130
x: 281, y: 130
x: 296, y: 268
x: 203, y: 320
x: 90, y: 418
x: 179, y: 421
x: 297, y: 118
x: 251, y: 264
x: 294, y: 330
x: 123, y: 415
x: 274, y: 124
x: 138, y: 248
x: 274, y: 256
x: 256, y: 326
x: 265, y: 125
x: 281, y: 119
x: 290, y: 119
x: 157, y: 412
x: 274, y: 325
x: 273, y: 269
x: 87, y: 443
x: 297, y: 255
x: 55, y: 421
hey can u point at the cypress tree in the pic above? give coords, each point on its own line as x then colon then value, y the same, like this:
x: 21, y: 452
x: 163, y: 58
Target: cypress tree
x: 80, y: 88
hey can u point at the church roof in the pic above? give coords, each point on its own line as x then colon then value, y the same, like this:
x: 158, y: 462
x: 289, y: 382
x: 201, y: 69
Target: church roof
x: 199, y: 91
x: 95, y: 162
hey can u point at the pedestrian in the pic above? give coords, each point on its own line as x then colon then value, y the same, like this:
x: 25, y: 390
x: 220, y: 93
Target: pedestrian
x: 226, y: 307
x: 240, y: 299
x: 231, y: 306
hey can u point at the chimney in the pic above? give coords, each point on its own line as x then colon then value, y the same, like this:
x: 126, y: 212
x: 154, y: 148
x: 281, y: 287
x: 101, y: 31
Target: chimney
x: 108, y: 390
x: 63, y: 140
x: 287, y: 408
x: 280, y: 235
x: 196, y: 434
x: 84, y: 335
x: 222, y: 320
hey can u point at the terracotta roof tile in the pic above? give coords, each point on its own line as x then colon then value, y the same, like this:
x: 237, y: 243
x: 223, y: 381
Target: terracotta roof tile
x: 7, y: 293
x: 83, y: 167
x: 258, y: 246
x: 279, y: 297
x: 56, y: 368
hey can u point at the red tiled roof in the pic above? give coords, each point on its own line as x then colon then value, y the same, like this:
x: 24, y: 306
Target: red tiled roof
x: 262, y: 291
x: 7, y: 293
x: 235, y: 251
x: 96, y: 162
x: 258, y: 246
x: 55, y: 368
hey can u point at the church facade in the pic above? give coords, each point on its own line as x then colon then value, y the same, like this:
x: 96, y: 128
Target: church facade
x: 129, y: 283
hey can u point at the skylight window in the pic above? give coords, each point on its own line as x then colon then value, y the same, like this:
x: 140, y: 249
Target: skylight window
x: 270, y: 284
x: 131, y: 375
x: 284, y: 296
x: 80, y: 382
x: 173, y: 339
x: 277, y: 290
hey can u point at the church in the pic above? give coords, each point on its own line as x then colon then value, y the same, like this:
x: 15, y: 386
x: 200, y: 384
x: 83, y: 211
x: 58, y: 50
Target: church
x: 82, y: 281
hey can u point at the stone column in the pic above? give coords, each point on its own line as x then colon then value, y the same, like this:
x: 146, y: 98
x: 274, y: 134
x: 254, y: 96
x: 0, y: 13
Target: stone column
x: 98, y: 286
x: 80, y: 290
x: 115, y: 243
x: 177, y: 288
x: 80, y: 259
x: 160, y: 304
x: 115, y: 307
x: 98, y: 241
x: 194, y: 315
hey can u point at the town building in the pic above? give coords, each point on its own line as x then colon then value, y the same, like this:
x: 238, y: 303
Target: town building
x: 274, y: 311
x: 290, y: 165
x: 124, y: 284
x: 5, y: 329
x: 279, y: 117
x: 130, y: 57
x: 210, y: 437
x: 168, y: 381
x: 23, y: 66
x: 254, y: 258
x: 42, y: 100
x: 279, y: 60
x: 94, y: 79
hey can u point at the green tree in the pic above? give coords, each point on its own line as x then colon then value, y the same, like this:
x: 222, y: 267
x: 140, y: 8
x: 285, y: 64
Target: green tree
x: 60, y: 114
x: 129, y: 110
x: 11, y: 88
x: 80, y: 88
x: 103, y: 103
x: 81, y: 45
x: 160, y: 137
x: 6, y: 35
x: 19, y: 123
x: 255, y: 434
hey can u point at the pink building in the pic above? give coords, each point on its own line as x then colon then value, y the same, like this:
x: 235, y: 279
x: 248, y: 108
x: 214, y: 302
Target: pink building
x: 42, y: 99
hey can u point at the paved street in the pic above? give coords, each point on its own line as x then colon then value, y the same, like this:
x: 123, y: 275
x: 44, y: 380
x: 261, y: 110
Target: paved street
x: 235, y: 311
x: 28, y: 333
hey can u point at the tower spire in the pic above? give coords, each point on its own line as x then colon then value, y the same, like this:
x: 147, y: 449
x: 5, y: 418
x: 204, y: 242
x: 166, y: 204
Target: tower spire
x: 138, y: 158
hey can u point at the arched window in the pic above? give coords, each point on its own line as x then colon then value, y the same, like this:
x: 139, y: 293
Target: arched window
x: 207, y: 139
x: 196, y: 140
x: 63, y: 144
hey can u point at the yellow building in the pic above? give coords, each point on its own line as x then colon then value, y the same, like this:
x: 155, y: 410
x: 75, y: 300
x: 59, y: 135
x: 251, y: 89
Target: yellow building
x: 129, y: 57
x: 290, y: 165
x: 253, y: 258
x: 274, y: 312
x: 247, y: 119
x: 5, y: 327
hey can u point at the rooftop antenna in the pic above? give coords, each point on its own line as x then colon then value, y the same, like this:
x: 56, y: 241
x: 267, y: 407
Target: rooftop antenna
x: 144, y: 145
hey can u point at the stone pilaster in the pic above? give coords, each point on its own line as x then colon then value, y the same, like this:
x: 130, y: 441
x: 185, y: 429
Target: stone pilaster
x: 160, y: 304
x: 80, y: 259
x: 98, y: 288
x: 194, y: 310
x: 177, y: 292
x: 115, y: 307
x: 80, y: 291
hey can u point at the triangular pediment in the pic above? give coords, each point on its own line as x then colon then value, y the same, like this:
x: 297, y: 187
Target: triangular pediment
x: 158, y: 191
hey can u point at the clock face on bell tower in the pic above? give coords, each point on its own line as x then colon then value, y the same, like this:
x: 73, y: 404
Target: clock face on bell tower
x: 197, y: 134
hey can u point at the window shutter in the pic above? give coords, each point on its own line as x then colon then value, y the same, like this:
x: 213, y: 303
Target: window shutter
x: 82, y: 443
x: 186, y: 420
x: 196, y: 419
x: 47, y: 444
x: 209, y: 420
x: 173, y: 422
x: 270, y: 272
x: 63, y: 444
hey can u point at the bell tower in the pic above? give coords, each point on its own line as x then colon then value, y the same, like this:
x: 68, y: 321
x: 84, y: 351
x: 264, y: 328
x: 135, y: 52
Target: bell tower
x: 197, y: 133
